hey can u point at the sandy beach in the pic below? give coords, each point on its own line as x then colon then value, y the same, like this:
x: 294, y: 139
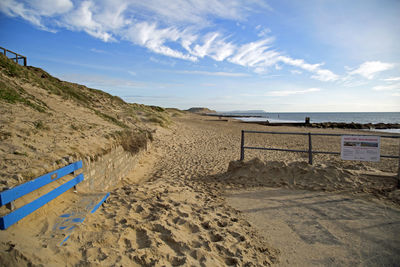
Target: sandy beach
x: 177, y: 207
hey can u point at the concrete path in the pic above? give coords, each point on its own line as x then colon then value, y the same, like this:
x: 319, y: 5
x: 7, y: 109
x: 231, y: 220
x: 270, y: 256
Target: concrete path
x: 323, y: 229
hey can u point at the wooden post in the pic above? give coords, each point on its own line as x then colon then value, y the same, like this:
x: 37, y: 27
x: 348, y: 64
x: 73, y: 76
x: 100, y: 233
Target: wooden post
x: 309, y: 149
x: 24, y: 61
x: 242, y: 147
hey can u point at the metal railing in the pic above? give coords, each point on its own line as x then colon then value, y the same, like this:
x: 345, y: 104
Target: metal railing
x: 310, y: 151
x: 17, y: 56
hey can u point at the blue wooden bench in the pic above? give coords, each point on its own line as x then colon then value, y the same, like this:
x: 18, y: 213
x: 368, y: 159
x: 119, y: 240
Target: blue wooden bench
x: 8, y: 196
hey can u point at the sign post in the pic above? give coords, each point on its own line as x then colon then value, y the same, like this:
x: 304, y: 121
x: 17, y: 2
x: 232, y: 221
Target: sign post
x: 362, y: 148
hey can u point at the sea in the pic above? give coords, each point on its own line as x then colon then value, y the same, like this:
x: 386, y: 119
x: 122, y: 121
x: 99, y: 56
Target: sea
x: 317, y: 117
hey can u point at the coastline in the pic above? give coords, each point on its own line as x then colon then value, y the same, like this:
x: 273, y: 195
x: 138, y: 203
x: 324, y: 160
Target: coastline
x: 338, y: 125
x: 360, y: 119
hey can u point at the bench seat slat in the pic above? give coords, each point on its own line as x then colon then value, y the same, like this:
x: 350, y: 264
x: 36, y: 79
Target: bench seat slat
x: 23, y: 189
x: 27, y: 209
x: 101, y: 202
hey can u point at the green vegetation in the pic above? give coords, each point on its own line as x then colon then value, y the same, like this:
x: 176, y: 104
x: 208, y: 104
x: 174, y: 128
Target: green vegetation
x: 40, y: 125
x: 153, y: 114
x: 10, y: 68
x: 134, y: 141
x: 174, y: 112
x: 110, y: 108
x: 15, y: 94
x: 110, y: 119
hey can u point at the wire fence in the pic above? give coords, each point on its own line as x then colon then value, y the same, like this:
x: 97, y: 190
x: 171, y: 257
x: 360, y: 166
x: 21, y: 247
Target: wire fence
x: 310, y: 150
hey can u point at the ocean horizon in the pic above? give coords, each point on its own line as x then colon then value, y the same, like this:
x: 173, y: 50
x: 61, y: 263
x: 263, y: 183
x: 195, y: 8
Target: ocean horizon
x: 318, y: 117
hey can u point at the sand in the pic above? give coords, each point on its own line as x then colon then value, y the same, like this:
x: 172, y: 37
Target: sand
x: 314, y: 228
x: 171, y: 210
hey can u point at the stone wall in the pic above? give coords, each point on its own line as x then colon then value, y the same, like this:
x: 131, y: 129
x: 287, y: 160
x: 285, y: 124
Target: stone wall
x: 104, y: 172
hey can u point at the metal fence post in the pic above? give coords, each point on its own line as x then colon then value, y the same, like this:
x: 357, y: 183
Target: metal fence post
x: 309, y: 149
x: 242, y: 147
x: 398, y: 170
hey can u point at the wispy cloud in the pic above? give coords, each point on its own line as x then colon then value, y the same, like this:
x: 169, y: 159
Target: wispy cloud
x: 174, y: 28
x: 209, y: 73
x: 154, y: 38
x: 132, y: 73
x: 296, y: 72
x: 387, y: 87
x: 262, y: 31
x: 163, y: 62
x: 392, y: 79
x: 100, y: 81
x: 213, y: 46
x: 369, y: 69
x: 292, y: 92
x: 99, y: 51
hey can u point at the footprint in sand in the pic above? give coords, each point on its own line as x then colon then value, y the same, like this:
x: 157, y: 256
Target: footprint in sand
x: 142, y: 239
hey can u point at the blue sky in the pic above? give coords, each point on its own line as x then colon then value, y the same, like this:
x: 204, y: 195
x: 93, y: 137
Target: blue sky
x: 275, y: 55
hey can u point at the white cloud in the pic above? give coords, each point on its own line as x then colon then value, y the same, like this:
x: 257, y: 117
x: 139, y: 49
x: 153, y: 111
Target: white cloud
x: 387, y: 87
x: 325, y: 75
x: 174, y: 28
x: 99, y: 51
x: 292, y: 92
x: 34, y: 10
x: 153, y: 38
x: 82, y: 19
x: 319, y: 74
x: 163, y: 62
x: 262, y: 31
x: 15, y: 9
x: 255, y: 54
x: 209, y: 73
x: 214, y: 46
x: 51, y: 7
x: 392, y: 79
x: 370, y: 68
x: 296, y: 72
x: 197, y: 11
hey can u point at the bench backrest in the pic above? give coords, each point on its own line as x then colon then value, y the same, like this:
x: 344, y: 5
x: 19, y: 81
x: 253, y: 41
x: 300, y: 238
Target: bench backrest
x: 28, y: 187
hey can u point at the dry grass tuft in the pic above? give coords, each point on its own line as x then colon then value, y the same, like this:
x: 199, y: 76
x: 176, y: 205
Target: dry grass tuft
x: 135, y: 141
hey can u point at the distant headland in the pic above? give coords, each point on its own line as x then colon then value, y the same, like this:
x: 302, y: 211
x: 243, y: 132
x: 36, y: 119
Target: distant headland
x: 201, y: 110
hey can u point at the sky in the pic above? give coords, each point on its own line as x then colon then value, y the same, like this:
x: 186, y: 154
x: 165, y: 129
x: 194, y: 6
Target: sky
x: 272, y: 55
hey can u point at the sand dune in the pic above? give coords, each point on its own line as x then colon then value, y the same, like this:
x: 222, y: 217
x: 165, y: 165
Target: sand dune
x: 301, y: 175
x: 177, y: 215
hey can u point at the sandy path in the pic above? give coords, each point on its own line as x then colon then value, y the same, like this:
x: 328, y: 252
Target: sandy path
x: 170, y: 218
x: 173, y: 217
x: 323, y: 229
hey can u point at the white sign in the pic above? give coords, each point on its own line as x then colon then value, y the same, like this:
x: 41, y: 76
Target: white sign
x: 363, y: 148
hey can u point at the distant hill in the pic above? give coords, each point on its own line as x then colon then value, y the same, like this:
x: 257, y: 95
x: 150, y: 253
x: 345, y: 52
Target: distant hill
x: 201, y: 110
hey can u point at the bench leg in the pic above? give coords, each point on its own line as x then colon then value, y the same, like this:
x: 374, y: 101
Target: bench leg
x: 10, y: 206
